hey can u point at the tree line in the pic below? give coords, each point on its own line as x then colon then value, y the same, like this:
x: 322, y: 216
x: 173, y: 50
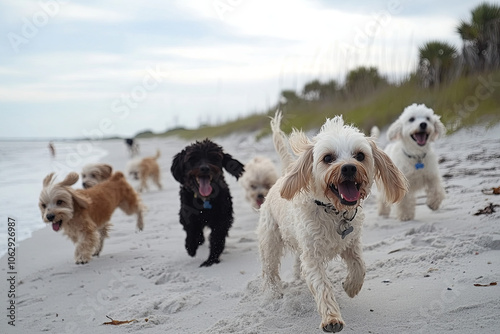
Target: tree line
x: 439, y: 62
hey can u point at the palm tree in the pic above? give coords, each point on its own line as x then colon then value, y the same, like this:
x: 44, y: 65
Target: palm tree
x: 481, y: 37
x: 436, y: 62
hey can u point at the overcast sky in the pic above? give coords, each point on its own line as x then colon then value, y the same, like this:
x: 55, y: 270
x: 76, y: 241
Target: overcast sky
x: 70, y: 69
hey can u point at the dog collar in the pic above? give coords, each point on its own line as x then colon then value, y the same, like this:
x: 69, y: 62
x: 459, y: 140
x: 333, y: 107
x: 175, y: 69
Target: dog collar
x: 344, y: 227
x: 206, y: 202
x: 419, y: 158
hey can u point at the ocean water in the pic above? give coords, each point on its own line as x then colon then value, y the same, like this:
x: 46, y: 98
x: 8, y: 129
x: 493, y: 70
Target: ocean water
x: 23, y: 166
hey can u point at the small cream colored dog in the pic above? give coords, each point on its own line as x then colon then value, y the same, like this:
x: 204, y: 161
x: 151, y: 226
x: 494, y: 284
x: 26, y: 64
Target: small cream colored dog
x: 315, y: 210
x: 83, y: 214
x: 259, y: 176
x: 410, y: 148
x: 93, y: 174
x: 143, y: 169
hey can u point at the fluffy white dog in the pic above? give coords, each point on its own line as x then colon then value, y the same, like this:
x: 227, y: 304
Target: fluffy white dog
x: 259, y: 176
x: 315, y: 210
x: 410, y: 148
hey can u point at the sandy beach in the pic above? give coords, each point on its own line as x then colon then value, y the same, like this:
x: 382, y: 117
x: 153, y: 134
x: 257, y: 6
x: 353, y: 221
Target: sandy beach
x: 420, y: 274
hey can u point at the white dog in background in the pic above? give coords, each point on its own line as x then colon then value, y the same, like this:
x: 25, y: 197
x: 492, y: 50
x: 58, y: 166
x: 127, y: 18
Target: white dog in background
x: 315, y: 209
x: 259, y: 176
x: 410, y: 148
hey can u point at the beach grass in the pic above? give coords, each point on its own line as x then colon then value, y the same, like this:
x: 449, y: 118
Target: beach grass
x: 464, y: 102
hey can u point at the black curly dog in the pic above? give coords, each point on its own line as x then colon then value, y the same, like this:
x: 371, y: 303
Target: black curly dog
x: 205, y: 196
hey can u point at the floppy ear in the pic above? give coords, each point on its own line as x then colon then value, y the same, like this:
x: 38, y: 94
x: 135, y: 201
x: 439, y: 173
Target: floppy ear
x: 48, y: 179
x: 388, y: 176
x: 177, y: 168
x: 233, y: 166
x: 70, y: 179
x: 106, y: 171
x: 299, y: 174
x: 439, y: 127
x: 80, y: 199
x: 394, y: 130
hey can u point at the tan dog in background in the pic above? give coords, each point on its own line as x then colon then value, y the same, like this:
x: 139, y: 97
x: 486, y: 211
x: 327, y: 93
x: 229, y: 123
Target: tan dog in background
x: 143, y: 169
x: 84, y: 214
x: 93, y: 174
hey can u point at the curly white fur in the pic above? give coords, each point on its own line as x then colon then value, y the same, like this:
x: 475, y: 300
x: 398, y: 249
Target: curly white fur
x: 410, y: 148
x: 304, y: 211
x: 259, y: 176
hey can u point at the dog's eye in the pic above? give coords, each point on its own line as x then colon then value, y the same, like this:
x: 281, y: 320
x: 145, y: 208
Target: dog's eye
x: 360, y: 156
x: 92, y: 175
x: 83, y: 175
x: 428, y: 118
x: 328, y: 158
x: 412, y: 119
x: 60, y: 202
x: 253, y: 186
x: 43, y: 206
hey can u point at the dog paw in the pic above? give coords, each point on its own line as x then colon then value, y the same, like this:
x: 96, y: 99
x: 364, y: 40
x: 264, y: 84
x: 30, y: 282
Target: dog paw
x: 334, y: 324
x: 433, y: 205
x: 209, y: 262
x: 352, y: 287
x: 81, y: 262
x: 405, y: 218
x: 333, y: 328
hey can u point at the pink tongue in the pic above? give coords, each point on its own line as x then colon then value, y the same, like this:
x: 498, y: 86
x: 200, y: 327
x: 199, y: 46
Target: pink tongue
x: 421, y: 138
x: 56, y: 226
x: 349, y: 191
x: 205, y: 188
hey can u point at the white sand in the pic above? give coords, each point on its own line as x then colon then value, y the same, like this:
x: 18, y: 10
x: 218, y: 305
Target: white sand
x: 148, y: 275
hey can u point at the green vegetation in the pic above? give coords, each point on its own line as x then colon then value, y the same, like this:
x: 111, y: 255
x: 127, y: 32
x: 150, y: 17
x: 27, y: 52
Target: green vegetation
x: 461, y: 86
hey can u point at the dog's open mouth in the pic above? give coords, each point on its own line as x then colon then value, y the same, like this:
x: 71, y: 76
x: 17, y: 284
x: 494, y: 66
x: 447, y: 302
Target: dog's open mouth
x: 420, y: 138
x: 204, y: 187
x: 347, y: 191
x: 56, y: 226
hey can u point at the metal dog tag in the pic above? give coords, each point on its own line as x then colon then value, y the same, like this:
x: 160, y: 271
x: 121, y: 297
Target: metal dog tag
x: 346, y: 232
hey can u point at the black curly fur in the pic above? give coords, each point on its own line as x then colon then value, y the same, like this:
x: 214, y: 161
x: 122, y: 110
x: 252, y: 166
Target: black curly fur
x: 205, y: 159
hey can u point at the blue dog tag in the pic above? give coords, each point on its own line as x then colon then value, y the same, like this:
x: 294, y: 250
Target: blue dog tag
x: 207, y: 205
x: 419, y: 165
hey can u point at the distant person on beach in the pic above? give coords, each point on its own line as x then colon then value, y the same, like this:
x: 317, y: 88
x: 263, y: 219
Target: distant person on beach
x: 52, y: 149
x: 133, y: 147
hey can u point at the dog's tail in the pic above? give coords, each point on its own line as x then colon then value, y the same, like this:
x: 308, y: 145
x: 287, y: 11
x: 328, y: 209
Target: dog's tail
x: 116, y: 176
x: 280, y: 142
x: 157, y: 154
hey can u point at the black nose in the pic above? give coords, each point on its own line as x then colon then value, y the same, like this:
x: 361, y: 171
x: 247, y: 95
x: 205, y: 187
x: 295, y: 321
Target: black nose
x: 260, y: 196
x: 50, y: 217
x: 348, y: 170
x: 84, y: 185
x: 423, y: 125
x: 204, y: 169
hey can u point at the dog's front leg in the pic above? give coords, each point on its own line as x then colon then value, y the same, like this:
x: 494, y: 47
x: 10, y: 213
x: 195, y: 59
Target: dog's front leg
x: 356, y: 269
x: 86, y: 246
x: 217, y: 244
x: 322, y: 290
x: 405, y: 210
x: 435, y: 192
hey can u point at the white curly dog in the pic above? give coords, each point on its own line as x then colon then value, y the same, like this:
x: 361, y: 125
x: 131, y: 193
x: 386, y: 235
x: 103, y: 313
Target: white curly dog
x: 410, y: 148
x: 315, y: 209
